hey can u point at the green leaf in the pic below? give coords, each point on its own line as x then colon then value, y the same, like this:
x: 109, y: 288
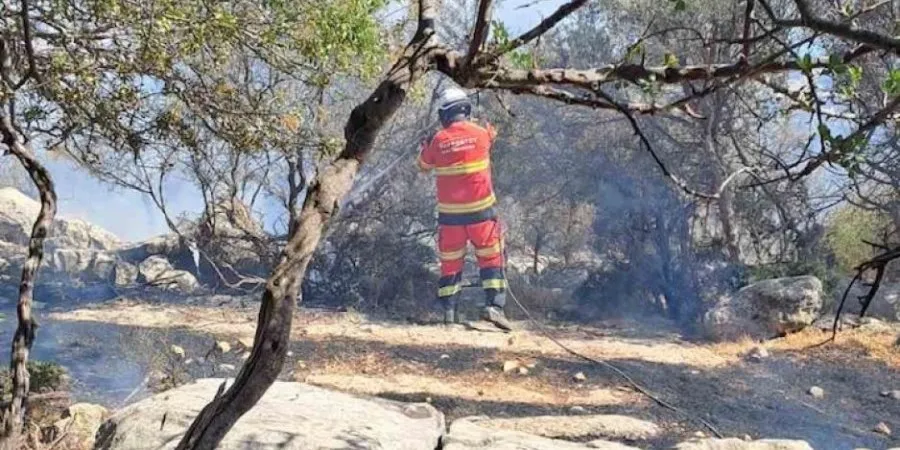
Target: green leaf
x: 634, y: 52
x: 847, y: 9
x: 521, y: 60
x: 670, y: 60
x: 836, y: 64
x: 500, y: 33
x: 805, y: 63
x: 891, y: 85
x: 856, y: 73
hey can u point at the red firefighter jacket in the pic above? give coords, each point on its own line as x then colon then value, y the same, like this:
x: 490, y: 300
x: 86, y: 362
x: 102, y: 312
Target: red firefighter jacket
x: 460, y: 156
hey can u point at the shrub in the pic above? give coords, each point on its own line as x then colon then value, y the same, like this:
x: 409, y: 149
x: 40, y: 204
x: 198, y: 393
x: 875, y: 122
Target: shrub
x: 45, y: 377
x: 846, y: 230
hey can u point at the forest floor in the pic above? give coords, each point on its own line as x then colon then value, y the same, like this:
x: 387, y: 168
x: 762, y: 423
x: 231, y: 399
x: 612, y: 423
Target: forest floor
x: 465, y: 372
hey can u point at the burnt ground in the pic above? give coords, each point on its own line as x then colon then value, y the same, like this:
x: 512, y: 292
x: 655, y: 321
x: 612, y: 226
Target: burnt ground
x: 461, y: 372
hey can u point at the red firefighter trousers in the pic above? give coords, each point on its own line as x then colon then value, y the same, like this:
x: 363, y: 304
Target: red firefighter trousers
x: 487, y: 238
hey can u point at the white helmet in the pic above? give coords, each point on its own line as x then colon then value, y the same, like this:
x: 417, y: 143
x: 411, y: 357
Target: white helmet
x: 453, y: 103
x: 452, y: 96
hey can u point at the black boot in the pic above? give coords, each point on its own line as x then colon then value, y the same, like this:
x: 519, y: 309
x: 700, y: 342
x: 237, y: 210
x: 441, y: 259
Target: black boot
x: 494, y: 302
x: 495, y: 315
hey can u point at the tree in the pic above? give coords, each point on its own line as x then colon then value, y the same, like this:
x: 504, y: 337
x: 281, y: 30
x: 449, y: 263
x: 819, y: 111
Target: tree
x: 477, y: 67
x: 18, y: 70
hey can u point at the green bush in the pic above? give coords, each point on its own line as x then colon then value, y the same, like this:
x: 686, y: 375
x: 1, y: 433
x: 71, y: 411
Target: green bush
x: 847, y: 228
x: 45, y: 377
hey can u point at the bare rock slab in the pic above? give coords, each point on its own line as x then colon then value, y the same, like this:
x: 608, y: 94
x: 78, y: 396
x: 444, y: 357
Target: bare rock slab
x: 602, y: 426
x: 468, y: 434
x: 739, y: 444
x: 290, y: 416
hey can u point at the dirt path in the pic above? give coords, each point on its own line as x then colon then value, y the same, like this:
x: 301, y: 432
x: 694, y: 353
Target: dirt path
x: 462, y: 372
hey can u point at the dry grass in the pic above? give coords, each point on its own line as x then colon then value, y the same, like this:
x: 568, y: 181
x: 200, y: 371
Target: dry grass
x: 877, y: 344
x: 379, y: 373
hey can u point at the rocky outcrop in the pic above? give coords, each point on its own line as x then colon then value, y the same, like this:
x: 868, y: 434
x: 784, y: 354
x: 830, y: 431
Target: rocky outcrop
x: 289, y: 416
x: 75, y: 233
x: 766, y: 309
x: 467, y: 434
x: 77, y: 251
x: 82, y: 264
x: 124, y: 274
x: 17, y: 214
x: 158, y: 271
x: 165, y: 245
x: 737, y: 444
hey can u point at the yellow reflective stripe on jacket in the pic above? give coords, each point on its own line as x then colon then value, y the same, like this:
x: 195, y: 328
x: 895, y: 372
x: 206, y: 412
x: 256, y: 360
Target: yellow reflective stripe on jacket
x: 462, y: 208
x: 493, y: 284
x: 462, y: 169
x: 487, y: 252
x: 452, y: 255
x: 447, y: 291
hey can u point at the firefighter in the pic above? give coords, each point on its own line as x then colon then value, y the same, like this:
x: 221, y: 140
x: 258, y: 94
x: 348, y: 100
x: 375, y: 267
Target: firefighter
x: 459, y: 155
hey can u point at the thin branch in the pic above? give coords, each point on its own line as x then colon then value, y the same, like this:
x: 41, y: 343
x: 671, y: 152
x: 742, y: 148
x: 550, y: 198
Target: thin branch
x: 748, y: 17
x: 809, y: 20
x: 879, y: 264
x: 561, y: 13
x: 649, y: 147
x: 836, y: 153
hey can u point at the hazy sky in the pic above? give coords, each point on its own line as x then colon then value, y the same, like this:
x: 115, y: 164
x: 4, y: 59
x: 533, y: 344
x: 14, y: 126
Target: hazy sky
x: 133, y: 217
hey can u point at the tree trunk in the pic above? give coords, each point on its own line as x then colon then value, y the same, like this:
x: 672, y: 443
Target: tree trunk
x: 536, y: 255
x: 727, y: 215
x: 324, y: 196
x: 14, y: 415
x: 725, y: 203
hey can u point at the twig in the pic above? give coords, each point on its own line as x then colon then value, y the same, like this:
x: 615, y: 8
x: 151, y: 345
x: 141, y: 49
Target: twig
x: 649, y: 147
x: 809, y: 20
x: 561, y: 13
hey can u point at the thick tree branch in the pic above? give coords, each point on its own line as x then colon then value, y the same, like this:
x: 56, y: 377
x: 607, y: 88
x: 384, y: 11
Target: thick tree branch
x: 506, y: 78
x: 480, y: 32
x: 591, y: 100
